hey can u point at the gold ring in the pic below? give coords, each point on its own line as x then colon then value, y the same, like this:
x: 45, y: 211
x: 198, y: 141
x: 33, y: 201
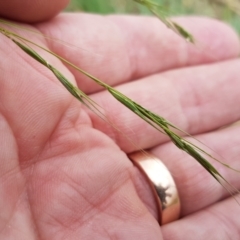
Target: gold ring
x: 162, y: 184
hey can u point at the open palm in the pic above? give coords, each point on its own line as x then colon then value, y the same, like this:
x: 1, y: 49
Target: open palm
x: 65, y: 173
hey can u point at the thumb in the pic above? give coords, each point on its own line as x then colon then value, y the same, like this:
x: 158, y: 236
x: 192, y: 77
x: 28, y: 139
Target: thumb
x: 31, y: 10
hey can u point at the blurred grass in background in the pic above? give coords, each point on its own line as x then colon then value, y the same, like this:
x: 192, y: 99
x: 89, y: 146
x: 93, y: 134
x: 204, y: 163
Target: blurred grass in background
x: 226, y: 10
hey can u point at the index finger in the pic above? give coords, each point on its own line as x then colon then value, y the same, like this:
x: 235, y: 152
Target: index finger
x: 118, y: 49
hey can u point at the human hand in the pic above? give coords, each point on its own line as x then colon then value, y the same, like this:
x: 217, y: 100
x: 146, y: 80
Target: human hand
x: 64, y: 172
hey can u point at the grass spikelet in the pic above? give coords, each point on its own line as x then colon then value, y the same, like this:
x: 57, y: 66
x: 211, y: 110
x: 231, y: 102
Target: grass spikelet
x: 158, y: 11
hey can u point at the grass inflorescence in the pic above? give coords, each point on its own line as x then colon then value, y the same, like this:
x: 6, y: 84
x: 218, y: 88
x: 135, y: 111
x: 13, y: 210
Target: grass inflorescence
x: 158, y: 11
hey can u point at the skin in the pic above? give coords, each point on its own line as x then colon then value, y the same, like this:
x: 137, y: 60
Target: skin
x: 64, y: 173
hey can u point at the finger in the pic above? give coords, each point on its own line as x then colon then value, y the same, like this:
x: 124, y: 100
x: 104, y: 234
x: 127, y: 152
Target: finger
x: 197, y: 188
x: 196, y: 99
x: 31, y: 11
x: 118, y: 49
x: 220, y: 221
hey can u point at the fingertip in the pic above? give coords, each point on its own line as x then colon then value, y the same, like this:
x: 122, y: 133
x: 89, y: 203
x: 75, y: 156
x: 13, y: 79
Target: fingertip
x: 216, y: 37
x: 31, y: 11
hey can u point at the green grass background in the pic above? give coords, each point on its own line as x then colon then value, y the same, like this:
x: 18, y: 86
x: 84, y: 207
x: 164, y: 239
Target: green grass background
x: 171, y: 7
